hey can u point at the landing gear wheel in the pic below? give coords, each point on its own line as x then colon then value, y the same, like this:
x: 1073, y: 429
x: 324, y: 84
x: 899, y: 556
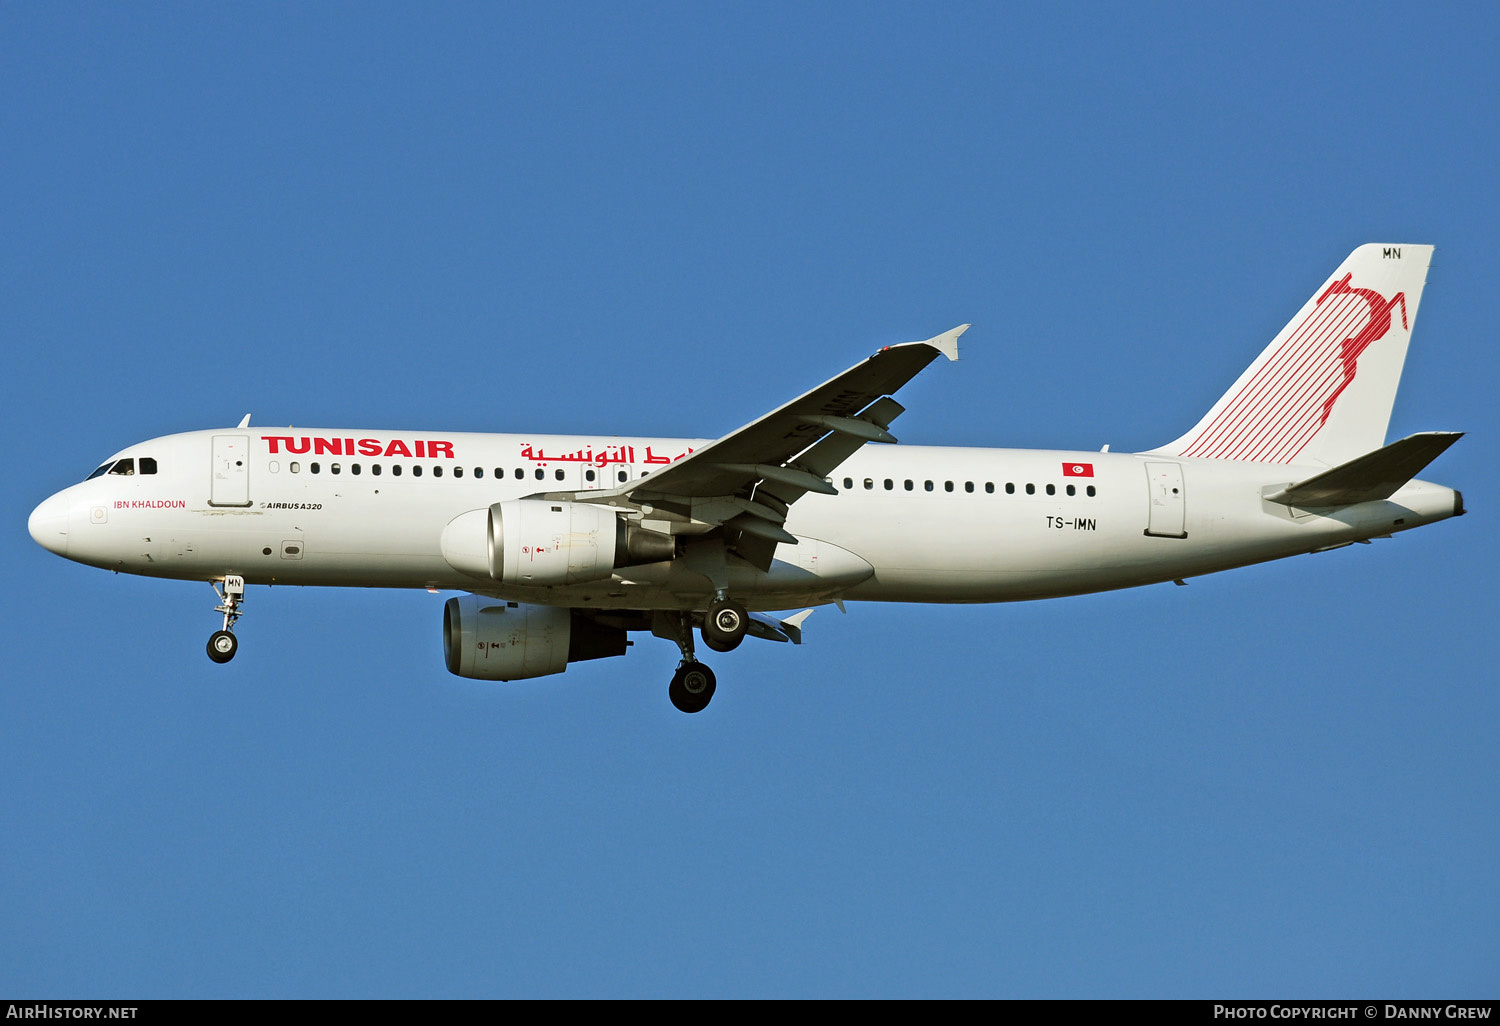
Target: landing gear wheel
x: 222, y: 646
x: 724, y: 625
x: 692, y: 687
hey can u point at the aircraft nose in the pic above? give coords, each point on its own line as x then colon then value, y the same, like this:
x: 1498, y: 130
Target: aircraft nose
x: 48, y: 525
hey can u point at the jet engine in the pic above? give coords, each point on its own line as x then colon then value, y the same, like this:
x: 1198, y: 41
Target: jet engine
x: 488, y: 639
x: 537, y: 542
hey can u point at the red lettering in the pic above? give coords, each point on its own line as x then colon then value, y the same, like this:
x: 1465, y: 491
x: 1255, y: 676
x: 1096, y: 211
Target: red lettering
x: 364, y: 447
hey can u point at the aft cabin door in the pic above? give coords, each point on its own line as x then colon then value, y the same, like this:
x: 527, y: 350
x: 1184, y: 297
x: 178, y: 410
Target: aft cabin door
x: 1168, y: 515
x: 231, y: 471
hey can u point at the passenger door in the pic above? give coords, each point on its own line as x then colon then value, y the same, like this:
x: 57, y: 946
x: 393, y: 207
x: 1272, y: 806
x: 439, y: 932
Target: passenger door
x: 1168, y: 495
x: 231, y: 471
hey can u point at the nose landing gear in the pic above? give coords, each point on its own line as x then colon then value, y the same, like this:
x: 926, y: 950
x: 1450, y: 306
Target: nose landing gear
x: 223, y: 645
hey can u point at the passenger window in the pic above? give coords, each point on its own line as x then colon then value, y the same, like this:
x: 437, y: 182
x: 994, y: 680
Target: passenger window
x: 457, y: 471
x: 1010, y: 488
x: 889, y: 484
x: 1090, y: 491
x: 989, y: 488
x: 588, y: 475
x: 848, y: 482
x: 354, y: 468
x: 313, y: 467
x: 437, y: 471
x: 968, y: 486
x: 908, y: 484
x: 478, y: 471
x: 869, y: 482
x: 540, y: 473
x: 947, y: 486
x: 148, y: 465
x: 395, y: 470
x: 1051, y: 489
x: 333, y: 468
x: 559, y: 475
x: 416, y: 470
x: 520, y: 473
x: 621, y: 475
x: 1072, y: 490
x: 1031, y: 489
x: 124, y: 467
x: 375, y: 469
x: 927, y: 485
x: 294, y: 467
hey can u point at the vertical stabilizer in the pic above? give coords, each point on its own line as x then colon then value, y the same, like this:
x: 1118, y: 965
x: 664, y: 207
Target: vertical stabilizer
x: 1322, y: 391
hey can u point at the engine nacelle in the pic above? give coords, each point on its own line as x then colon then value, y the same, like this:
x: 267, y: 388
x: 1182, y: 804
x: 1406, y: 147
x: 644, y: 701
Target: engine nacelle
x: 492, y: 640
x: 537, y: 542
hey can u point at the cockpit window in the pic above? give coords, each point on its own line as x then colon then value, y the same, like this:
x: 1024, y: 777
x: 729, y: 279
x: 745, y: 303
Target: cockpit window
x: 148, y: 465
x: 126, y: 467
x: 100, y: 471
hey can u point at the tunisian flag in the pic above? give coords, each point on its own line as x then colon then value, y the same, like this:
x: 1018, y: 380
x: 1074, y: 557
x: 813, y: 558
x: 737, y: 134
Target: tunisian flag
x: 1078, y: 470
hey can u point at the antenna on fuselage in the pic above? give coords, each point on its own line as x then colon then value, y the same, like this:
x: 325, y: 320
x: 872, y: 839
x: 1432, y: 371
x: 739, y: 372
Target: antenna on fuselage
x: 246, y: 422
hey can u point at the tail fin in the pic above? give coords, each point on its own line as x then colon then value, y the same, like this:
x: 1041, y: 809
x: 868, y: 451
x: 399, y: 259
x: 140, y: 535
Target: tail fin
x: 1322, y: 391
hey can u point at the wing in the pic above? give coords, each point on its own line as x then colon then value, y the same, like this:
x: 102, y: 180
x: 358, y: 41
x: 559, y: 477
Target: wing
x: 746, y: 481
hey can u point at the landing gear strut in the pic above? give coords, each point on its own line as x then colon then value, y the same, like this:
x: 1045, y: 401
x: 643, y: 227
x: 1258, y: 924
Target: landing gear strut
x: 223, y: 645
x: 692, y: 685
x: 724, y: 624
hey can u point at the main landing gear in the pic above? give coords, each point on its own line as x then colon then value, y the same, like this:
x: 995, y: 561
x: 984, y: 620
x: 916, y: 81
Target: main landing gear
x: 693, y: 684
x: 223, y: 645
x: 724, y: 624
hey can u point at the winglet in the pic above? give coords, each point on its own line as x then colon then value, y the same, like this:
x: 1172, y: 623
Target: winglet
x: 792, y: 625
x: 796, y: 620
x: 768, y: 628
x: 947, y: 342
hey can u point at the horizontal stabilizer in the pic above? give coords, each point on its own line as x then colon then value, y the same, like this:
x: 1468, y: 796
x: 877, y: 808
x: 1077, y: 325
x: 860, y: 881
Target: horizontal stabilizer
x: 1375, y: 475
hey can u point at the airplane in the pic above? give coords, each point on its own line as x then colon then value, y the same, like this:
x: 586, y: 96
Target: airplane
x: 564, y: 545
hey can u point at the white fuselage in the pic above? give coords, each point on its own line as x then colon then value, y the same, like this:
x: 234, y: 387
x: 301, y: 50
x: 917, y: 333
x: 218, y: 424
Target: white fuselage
x: 910, y: 523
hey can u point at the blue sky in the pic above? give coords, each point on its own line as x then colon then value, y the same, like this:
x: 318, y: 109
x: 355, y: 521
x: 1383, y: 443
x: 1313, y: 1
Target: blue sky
x: 666, y: 219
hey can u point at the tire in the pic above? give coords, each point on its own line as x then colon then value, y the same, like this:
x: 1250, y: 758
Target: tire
x: 724, y: 625
x: 692, y: 687
x: 222, y: 646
